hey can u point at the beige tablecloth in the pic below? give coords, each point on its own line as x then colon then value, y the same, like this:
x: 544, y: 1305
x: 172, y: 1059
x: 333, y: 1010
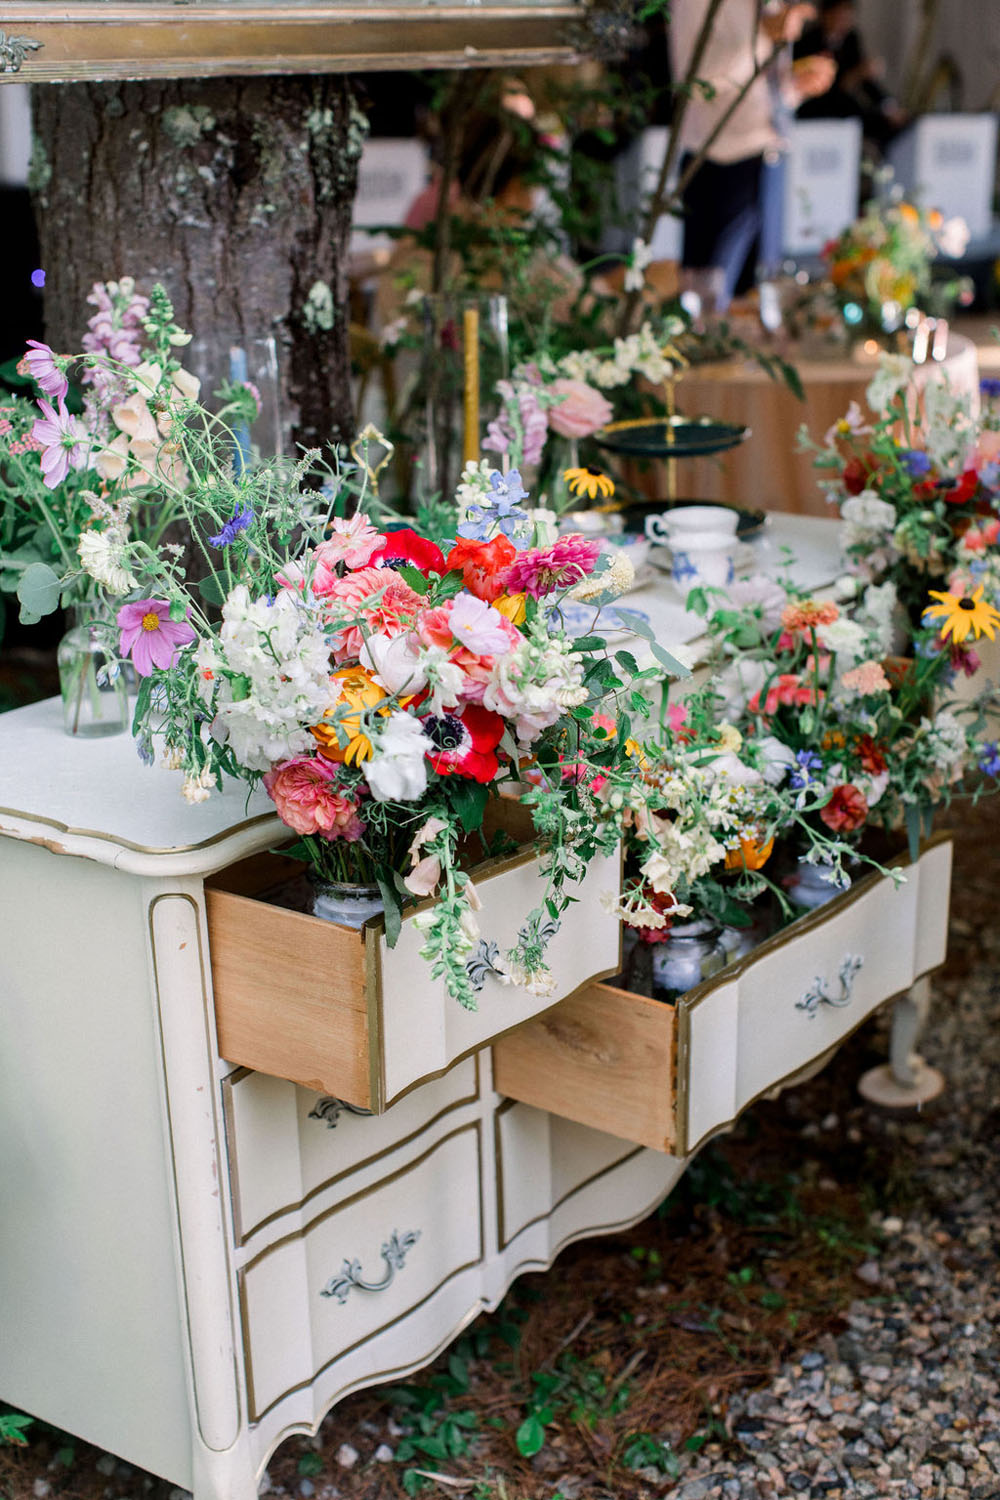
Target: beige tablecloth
x: 766, y: 470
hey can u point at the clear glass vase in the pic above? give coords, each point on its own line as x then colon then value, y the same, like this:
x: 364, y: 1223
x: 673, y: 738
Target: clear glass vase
x: 814, y: 885
x: 91, y: 680
x: 692, y: 953
x: 340, y: 901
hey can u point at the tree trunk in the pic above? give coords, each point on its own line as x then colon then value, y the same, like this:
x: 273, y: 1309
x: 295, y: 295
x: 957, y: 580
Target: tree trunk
x: 236, y: 194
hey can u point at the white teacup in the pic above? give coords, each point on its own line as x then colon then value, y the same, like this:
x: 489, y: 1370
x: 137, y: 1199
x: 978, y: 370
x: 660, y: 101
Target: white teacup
x: 687, y: 521
x: 704, y: 559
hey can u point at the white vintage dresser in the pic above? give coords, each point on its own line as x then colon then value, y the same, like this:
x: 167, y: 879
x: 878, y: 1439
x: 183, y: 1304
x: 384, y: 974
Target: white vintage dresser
x: 197, y: 1259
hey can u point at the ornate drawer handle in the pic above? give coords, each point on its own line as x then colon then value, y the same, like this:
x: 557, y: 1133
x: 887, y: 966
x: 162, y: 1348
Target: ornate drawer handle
x: 330, y: 1110
x: 820, y: 995
x: 394, y: 1253
x: 486, y: 958
x: 14, y: 50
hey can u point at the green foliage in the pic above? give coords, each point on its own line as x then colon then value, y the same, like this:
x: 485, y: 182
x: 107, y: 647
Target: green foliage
x: 13, y: 1428
x: 310, y: 1464
x: 644, y: 1451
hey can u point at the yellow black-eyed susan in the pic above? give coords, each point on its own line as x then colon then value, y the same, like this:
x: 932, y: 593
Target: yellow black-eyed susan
x: 962, y: 615
x: 590, y: 482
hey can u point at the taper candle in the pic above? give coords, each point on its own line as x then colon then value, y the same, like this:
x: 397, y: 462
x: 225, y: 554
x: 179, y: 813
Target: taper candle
x: 470, y: 341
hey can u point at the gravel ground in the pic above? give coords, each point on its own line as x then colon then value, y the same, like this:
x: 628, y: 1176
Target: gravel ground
x: 906, y: 1401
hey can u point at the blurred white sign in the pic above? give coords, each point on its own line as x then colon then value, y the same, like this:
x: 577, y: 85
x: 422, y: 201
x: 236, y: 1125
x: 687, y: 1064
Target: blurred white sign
x: 949, y: 162
x: 821, y: 182
x: 391, y: 174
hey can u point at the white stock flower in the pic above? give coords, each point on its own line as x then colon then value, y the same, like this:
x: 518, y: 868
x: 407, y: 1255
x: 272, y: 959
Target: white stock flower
x: 869, y: 512
x: 639, y: 258
x: 893, y: 376
x: 102, y: 555
x: 397, y: 771
x: 845, y: 638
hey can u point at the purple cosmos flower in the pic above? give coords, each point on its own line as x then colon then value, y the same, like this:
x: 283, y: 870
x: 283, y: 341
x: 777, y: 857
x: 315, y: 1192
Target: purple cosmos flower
x: 150, y: 636
x: 44, y: 371
x: 808, y: 762
x: 990, y: 387
x: 231, y: 530
x: 65, y: 443
x: 915, y: 462
x: 989, y: 757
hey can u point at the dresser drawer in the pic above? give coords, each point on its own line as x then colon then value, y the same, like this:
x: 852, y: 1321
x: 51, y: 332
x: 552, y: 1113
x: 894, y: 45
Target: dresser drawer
x: 340, y: 1012
x: 668, y: 1076
x: 360, y: 1267
x: 286, y: 1143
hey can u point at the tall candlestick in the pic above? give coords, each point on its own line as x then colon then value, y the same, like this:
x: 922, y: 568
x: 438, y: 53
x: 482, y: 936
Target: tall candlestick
x: 470, y: 349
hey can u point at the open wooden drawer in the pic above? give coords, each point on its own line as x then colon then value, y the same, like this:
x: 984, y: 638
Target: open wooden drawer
x: 340, y: 1012
x: 669, y: 1076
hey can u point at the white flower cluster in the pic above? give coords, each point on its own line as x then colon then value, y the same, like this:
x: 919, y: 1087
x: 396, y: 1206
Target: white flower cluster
x: 641, y: 353
x: 282, y: 663
x: 102, y: 555
x: 473, y: 485
x: 947, y: 741
x: 535, y: 684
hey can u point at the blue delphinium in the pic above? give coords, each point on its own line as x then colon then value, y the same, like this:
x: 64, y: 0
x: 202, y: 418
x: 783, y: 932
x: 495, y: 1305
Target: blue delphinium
x: 915, y: 462
x: 989, y: 758
x: 232, y: 528
x: 989, y: 387
x: 499, y: 510
x: 808, y: 762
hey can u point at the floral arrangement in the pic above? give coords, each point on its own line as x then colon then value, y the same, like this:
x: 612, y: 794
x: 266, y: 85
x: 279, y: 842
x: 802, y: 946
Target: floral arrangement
x: 880, y: 265
x: 383, y: 685
x: 65, y: 451
x: 918, y: 488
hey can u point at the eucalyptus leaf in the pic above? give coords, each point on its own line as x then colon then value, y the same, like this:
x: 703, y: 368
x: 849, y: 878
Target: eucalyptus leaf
x: 38, y: 591
x: 669, y: 663
x: 393, y: 909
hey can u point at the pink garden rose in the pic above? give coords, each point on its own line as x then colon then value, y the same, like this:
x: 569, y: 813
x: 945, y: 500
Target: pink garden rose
x: 308, y: 798
x: 581, y: 411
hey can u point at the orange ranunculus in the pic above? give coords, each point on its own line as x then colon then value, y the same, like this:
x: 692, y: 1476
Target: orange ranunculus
x: 484, y: 565
x: 357, y: 691
x: 750, y: 855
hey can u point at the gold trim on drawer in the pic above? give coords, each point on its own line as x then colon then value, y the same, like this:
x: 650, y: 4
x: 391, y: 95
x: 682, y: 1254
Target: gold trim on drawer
x: 242, y: 1235
x: 344, y: 1203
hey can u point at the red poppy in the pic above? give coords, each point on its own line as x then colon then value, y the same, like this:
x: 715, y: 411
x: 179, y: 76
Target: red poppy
x: 846, y: 809
x: 964, y: 489
x: 858, y: 474
x: 466, y: 742
x: 407, y: 547
x: 484, y: 565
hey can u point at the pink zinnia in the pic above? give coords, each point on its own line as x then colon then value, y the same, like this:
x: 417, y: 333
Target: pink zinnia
x: 65, y: 443
x: 150, y: 636
x: 541, y: 570
x: 44, y: 371
x: 309, y: 800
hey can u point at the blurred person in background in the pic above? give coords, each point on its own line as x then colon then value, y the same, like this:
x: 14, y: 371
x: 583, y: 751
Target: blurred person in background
x: 732, y: 205
x: 856, y: 91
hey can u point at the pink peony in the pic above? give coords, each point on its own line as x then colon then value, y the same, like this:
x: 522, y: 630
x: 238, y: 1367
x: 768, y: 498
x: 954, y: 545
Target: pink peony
x: 396, y: 609
x: 581, y: 411
x: 542, y: 570
x: 308, y: 798
x: 150, y: 636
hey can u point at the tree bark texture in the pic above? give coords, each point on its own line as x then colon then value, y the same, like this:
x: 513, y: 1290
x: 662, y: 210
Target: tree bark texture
x: 236, y: 194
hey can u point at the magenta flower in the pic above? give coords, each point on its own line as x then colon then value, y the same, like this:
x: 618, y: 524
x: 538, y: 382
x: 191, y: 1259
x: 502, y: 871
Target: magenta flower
x: 541, y: 570
x: 65, y: 443
x: 44, y: 371
x: 150, y: 636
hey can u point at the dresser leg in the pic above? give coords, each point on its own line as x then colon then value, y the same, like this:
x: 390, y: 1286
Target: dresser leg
x: 228, y: 1475
x: 906, y: 1080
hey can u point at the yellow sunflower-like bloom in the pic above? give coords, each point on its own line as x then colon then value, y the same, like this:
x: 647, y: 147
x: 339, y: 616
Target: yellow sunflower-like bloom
x: 590, y: 482
x: 357, y: 691
x: 962, y: 615
x: 512, y: 606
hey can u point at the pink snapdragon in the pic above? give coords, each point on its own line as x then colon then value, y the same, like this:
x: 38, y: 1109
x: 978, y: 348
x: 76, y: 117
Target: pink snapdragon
x: 65, y: 443
x: 150, y: 636
x: 309, y: 799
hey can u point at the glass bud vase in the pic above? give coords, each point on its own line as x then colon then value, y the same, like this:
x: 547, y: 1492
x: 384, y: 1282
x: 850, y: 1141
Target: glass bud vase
x: 91, y: 681
x: 692, y: 953
x: 342, y: 902
x: 813, y: 885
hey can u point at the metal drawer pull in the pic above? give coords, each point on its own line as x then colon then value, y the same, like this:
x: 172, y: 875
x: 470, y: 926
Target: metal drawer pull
x: 820, y: 995
x: 394, y: 1253
x: 330, y: 1110
x: 14, y: 50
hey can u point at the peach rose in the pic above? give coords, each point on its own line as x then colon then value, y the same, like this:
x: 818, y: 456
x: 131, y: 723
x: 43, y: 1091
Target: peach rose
x: 581, y: 411
x: 309, y: 800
